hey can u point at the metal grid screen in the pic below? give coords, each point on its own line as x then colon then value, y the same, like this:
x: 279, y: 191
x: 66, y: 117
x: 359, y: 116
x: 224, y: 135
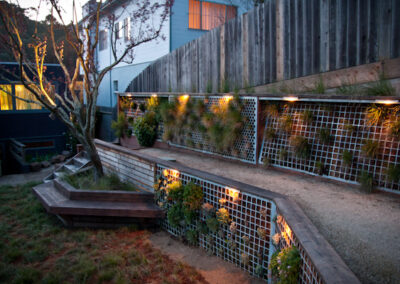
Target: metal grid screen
x: 135, y: 113
x: 308, y: 273
x: 244, y: 148
x: 249, y: 213
x: 349, y: 130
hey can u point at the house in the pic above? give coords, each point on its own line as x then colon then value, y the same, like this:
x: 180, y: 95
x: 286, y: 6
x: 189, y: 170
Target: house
x: 188, y: 20
x: 27, y: 127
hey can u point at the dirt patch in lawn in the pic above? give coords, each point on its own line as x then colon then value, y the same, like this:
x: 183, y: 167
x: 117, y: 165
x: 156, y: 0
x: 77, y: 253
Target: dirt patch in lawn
x: 212, y: 268
x: 362, y: 228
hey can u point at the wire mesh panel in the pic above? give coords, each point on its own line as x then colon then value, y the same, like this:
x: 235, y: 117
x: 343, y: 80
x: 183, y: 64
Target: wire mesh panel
x: 308, y: 273
x: 244, y: 148
x: 246, y: 242
x: 342, y: 143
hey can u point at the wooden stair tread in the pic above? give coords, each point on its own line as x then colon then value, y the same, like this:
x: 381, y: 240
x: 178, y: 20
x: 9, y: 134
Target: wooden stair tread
x: 57, y: 203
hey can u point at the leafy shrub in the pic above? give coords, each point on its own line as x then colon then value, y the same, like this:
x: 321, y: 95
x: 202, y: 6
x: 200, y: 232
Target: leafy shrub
x: 192, y: 237
x: 367, y: 182
x: 175, y: 191
x: 301, y: 146
x: 120, y: 126
x: 192, y: 196
x: 347, y: 158
x: 212, y: 224
x: 393, y: 173
x: 145, y: 130
x: 283, y: 154
x: 370, y: 148
x: 285, y: 265
x: 175, y: 215
x: 142, y: 107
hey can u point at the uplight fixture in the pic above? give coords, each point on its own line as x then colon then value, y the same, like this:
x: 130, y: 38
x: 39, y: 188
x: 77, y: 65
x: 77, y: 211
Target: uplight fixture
x: 291, y: 99
x: 387, y: 102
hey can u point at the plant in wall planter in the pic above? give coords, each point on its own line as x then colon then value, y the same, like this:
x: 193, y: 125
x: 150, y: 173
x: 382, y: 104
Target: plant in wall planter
x: 223, y: 216
x: 307, y: 117
x: 192, y: 237
x: 286, y: 122
x: 264, y: 212
x: 347, y: 158
x: 370, y: 148
x: 283, y: 154
x: 301, y: 146
x: 271, y: 111
x: 192, y: 196
x: 393, y: 173
x: 245, y: 259
x: 233, y: 228
x: 325, y: 136
x: 276, y: 239
x: 175, y: 215
x: 246, y: 240
x: 285, y: 266
x: 259, y: 270
x: 367, y: 182
x: 320, y: 168
x: 270, y: 134
x: 202, y: 227
x: 212, y: 224
x: 262, y: 233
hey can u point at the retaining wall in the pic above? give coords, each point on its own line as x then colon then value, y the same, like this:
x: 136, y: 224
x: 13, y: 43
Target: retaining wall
x: 253, y: 208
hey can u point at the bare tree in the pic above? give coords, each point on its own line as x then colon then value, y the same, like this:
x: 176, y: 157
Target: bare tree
x: 83, y: 37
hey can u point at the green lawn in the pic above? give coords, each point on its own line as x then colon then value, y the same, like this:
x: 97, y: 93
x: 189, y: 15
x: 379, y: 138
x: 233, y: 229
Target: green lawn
x: 36, y: 248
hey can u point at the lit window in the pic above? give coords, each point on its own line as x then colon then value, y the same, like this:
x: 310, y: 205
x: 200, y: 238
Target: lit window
x: 207, y: 15
x: 103, y: 39
x: 5, y: 97
x: 127, y: 29
x: 23, y: 93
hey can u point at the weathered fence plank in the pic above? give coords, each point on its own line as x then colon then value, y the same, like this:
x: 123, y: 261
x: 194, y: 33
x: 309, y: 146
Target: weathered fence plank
x: 284, y: 37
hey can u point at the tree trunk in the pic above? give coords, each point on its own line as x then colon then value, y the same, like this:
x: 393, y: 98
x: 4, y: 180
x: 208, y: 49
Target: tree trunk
x: 91, y: 150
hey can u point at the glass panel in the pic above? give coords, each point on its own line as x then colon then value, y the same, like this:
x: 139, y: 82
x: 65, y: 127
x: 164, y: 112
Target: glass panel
x: 22, y: 92
x: 5, y: 97
x: 213, y: 15
x: 194, y: 14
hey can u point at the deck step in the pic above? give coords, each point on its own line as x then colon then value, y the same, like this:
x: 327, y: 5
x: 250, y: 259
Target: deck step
x: 57, y: 203
x: 73, y: 165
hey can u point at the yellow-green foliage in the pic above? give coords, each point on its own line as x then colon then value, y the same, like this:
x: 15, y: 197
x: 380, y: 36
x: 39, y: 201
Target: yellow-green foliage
x: 223, y: 216
x: 285, y: 265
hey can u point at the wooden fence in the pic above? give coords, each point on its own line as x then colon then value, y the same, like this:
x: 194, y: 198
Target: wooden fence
x: 279, y: 40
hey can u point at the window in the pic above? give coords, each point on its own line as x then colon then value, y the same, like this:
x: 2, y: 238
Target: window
x: 5, y: 97
x: 127, y: 29
x: 207, y: 15
x: 23, y: 93
x: 117, y: 30
x: 115, y: 83
x: 103, y: 39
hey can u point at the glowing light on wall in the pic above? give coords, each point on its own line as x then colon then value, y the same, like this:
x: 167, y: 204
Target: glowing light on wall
x: 154, y: 95
x: 165, y: 172
x: 291, y: 99
x: 234, y: 193
x: 227, y: 98
x: 387, y: 102
x: 183, y: 99
x: 175, y: 173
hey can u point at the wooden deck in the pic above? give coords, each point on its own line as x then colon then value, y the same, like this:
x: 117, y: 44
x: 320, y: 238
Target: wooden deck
x: 70, y: 204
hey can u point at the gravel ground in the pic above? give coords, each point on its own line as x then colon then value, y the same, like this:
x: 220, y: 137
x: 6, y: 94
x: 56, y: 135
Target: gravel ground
x: 364, y: 229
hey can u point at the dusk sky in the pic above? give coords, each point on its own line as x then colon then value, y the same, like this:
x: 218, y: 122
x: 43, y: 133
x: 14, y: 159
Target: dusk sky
x: 44, y: 8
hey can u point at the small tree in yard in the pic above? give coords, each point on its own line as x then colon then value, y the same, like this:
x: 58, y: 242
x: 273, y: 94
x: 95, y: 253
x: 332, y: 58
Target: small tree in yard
x: 76, y: 112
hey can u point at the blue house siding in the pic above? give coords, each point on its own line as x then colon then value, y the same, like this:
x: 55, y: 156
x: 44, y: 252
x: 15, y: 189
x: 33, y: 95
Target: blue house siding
x: 180, y: 32
x: 107, y: 100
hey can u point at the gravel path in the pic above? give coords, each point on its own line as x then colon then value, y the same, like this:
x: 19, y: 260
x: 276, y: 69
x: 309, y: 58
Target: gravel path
x: 364, y: 229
